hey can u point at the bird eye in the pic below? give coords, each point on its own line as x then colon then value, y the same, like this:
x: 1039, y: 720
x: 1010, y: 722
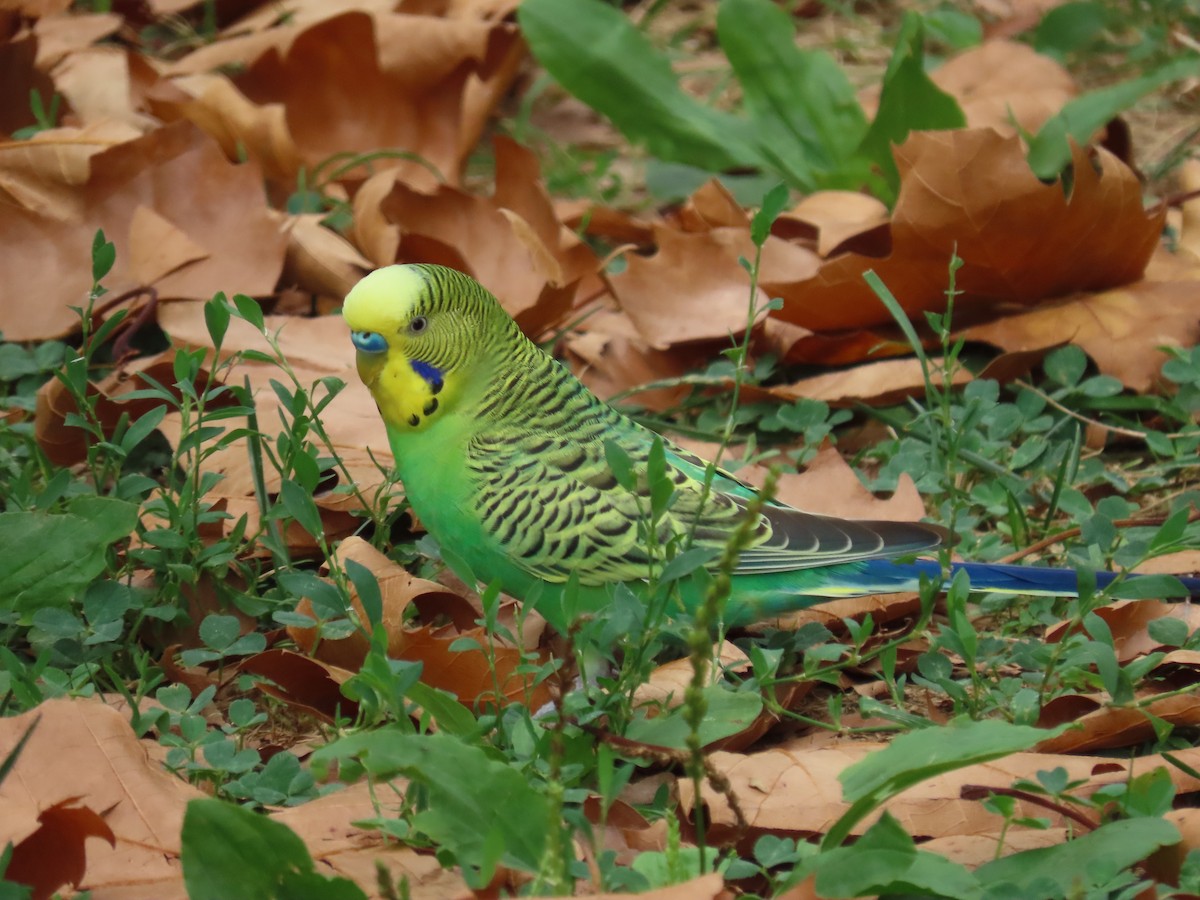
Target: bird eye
x: 417, y: 325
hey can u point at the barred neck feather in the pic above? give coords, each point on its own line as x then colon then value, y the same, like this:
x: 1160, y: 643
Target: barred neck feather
x: 532, y: 392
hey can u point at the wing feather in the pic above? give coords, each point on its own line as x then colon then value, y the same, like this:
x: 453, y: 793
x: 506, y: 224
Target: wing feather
x: 555, y: 508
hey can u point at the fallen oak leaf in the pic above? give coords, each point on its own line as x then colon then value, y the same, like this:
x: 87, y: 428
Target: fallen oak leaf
x: 86, y: 750
x: 319, y: 260
x: 1121, y: 329
x: 213, y: 103
x: 53, y: 855
x: 796, y: 791
x: 1006, y: 86
x: 694, y: 289
x: 512, y: 242
x: 178, y: 173
x: 59, y: 35
x: 66, y: 444
x: 405, y: 93
x: 1106, y: 727
x: 971, y: 192
x: 303, y: 682
x: 20, y: 75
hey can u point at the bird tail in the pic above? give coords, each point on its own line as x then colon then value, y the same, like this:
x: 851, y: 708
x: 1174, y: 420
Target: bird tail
x: 1011, y: 579
x: 763, y: 598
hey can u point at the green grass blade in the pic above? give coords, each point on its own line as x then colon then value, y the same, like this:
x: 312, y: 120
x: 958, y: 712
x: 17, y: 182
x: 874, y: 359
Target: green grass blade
x: 594, y: 52
x: 807, y: 118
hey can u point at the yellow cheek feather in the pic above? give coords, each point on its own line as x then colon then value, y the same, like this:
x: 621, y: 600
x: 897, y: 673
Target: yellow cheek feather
x: 382, y: 303
x: 405, y: 399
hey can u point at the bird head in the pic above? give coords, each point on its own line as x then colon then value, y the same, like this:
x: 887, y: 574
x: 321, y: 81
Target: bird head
x: 417, y: 331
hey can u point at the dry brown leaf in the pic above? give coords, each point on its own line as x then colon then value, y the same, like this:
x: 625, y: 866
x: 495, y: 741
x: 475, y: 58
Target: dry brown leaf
x: 84, y: 760
x: 302, y: 13
x: 712, y: 206
x: 667, y: 683
x: 1165, y: 865
x: 796, y: 791
x: 1013, y: 17
x: 1189, y: 231
x: 53, y: 855
x: 338, y: 847
x: 973, y: 850
x: 1104, y: 727
x: 1129, y: 620
x: 106, y: 83
x: 35, y: 9
x: 19, y: 74
x: 1021, y: 241
x: 212, y: 102
x: 1006, y: 86
x: 398, y: 589
x: 610, y: 358
x: 882, y: 608
x: 470, y: 673
x: 694, y: 289
x: 44, y: 174
x: 60, y: 35
x: 881, y: 383
x: 1184, y: 562
x: 159, y: 247
x: 303, y: 682
x: 706, y: 887
x: 407, y: 95
x: 512, y: 243
x: 180, y: 175
x: 827, y: 486
x: 835, y: 218
x: 85, y: 750
x: 319, y: 260
x: 615, y: 225
x: 1121, y: 329
x: 65, y: 445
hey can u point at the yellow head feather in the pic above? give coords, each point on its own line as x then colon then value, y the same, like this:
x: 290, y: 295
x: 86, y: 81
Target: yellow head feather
x: 384, y: 311
x: 384, y: 300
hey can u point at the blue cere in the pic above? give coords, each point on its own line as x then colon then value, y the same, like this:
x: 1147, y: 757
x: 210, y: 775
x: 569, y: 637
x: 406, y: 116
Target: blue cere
x: 369, y: 341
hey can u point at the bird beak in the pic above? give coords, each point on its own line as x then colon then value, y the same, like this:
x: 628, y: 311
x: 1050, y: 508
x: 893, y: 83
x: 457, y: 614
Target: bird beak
x: 369, y: 366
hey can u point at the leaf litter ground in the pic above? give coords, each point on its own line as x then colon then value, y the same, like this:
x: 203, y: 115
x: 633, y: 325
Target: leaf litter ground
x: 168, y: 153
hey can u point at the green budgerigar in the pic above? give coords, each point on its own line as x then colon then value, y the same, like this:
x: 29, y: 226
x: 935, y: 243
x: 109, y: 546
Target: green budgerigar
x: 502, y: 453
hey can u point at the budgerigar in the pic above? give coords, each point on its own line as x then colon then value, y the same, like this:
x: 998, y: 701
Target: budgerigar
x: 501, y: 451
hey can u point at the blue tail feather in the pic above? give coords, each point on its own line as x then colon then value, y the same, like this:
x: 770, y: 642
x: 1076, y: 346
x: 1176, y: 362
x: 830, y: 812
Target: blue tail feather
x: 999, y: 577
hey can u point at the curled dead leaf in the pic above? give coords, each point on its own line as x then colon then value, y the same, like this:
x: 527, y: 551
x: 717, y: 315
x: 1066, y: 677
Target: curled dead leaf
x: 66, y: 444
x: 403, y: 88
x: 301, y: 681
x: 797, y: 791
x: 694, y: 289
x: 229, y: 240
x: 1121, y: 329
x: 320, y: 260
x: 1006, y: 86
x: 971, y: 191
x: 512, y: 243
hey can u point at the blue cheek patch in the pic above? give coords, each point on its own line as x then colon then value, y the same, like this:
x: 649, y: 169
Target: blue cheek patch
x: 368, y: 341
x: 432, y: 375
